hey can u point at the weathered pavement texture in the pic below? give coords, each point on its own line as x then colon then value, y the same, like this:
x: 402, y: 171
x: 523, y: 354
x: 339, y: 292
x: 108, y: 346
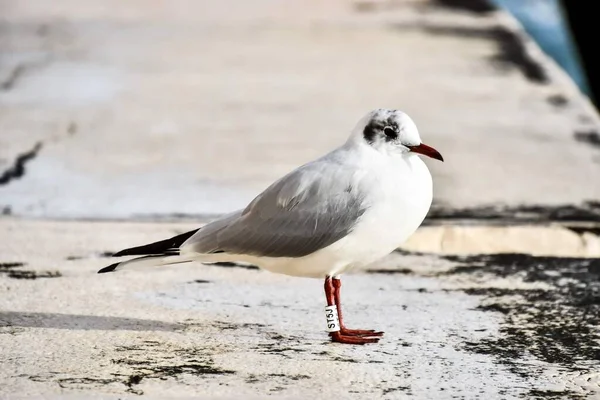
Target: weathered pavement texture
x: 478, y: 327
x: 112, y: 112
x: 178, y: 107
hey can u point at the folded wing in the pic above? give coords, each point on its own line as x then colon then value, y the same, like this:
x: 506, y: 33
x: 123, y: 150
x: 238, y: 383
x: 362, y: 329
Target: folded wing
x: 305, y: 211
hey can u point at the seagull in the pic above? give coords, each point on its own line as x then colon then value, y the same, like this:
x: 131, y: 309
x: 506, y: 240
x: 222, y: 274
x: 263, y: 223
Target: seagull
x: 345, y: 210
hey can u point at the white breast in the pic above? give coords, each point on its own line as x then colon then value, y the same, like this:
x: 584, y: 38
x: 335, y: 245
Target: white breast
x: 405, y: 198
x: 399, y: 195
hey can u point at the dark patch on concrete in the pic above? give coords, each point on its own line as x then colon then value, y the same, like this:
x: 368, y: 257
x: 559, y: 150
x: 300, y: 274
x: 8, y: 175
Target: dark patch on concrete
x: 72, y: 128
x: 12, y: 78
x: 103, y: 254
x: 43, y: 30
x: 278, y: 344
x: 134, y: 380
x: 480, y: 7
x: 591, y: 137
x: 145, y: 361
x: 131, y: 382
x: 512, y: 51
x: 276, y: 336
x: 558, y: 100
x: 17, y: 170
x: 494, y: 307
x: 275, y: 378
x: 587, y: 212
x: 6, y: 266
x: 200, y: 281
x: 155, y: 360
x: 291, y: 377
x: 408, y: 253
x: 69, y: 382
x: 7, y: 210
x: 365, y: 6
x: 511, y: 48
x: 31, y: 275
x: 83, y: 322
x: 278, y: 348
x: 192, y: 368
x: 558, y: 326
x: 403, y: 271
x: 460, y: 31
x: 14, y: 270
x: 397, y: 389
x: 85, y: 382
x: 298, y: 377
x: 551, y: 395
x: 231, y: 326
x: 228, y: 264
x: 580, y: 229
x: 346, y: 360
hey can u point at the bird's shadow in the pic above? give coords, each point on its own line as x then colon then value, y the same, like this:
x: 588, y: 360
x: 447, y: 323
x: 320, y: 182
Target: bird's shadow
x: 82, y: 322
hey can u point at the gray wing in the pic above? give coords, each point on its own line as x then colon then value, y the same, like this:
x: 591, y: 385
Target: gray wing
x: 305, y: 211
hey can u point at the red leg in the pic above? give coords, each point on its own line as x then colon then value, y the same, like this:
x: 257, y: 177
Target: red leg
x: 340, y: 336
x: 337, y: 285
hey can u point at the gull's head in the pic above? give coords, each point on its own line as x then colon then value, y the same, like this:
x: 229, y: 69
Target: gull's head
x: 391, y: 132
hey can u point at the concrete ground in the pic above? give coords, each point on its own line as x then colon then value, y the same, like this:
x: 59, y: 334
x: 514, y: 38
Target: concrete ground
x: 124, y: 123
x: 455, y: 327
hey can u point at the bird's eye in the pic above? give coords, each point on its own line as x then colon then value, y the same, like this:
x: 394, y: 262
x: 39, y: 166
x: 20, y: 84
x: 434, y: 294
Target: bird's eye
x: 390, y: 132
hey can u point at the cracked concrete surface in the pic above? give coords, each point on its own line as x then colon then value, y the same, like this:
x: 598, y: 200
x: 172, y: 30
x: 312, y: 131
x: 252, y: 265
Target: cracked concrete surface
x: 219, y: 331
x: 17, y: 170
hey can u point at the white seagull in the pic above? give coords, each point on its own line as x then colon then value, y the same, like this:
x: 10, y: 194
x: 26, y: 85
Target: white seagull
x: 344, y: 210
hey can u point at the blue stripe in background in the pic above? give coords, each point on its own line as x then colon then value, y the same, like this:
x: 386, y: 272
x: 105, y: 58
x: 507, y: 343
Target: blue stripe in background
x: 545, y: 22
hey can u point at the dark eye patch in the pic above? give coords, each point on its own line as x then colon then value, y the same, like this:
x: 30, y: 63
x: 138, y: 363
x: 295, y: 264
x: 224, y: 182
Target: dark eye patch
x: 371, y: 130
x: 390, y: 133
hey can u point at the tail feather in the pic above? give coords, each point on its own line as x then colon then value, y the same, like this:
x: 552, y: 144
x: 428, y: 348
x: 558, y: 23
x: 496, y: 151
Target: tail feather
x: 163, y: 252
x: 162, y: 247
x: 146, y: 261
x: 110, y: 268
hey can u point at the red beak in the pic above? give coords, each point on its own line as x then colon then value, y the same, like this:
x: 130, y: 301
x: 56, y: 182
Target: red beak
x: 427, y: 151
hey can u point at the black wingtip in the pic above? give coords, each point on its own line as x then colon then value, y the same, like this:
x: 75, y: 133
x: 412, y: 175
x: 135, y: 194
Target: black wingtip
x: 110, y: 268
x: 170, y: 245
x: 120, y: 253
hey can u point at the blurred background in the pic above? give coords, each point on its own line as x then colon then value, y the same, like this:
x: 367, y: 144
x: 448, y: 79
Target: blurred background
x: 561, y: 29
x: 176, y: 109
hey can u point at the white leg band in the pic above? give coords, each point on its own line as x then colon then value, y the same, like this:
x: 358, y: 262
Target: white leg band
x: 333, y: 322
